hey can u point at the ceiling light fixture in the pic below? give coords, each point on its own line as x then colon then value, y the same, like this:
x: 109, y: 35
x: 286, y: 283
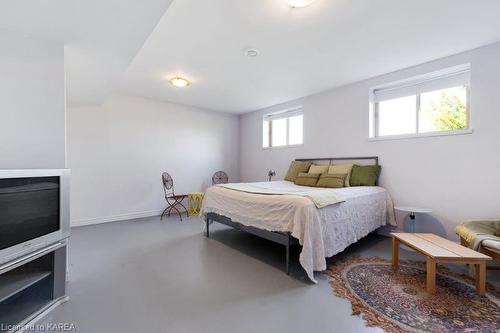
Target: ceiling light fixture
x: 251, y: 52
x: 179, y: 82
x: 299, y: 3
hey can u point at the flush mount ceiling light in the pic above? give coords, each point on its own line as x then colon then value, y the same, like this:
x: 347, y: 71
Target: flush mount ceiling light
x: 179, y: 82
x: 299, y: 3
x: 250, y: 52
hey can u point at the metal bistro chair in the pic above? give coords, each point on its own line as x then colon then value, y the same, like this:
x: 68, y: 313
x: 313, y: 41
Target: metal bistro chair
x: 173, y: 200
x: 220, y: 177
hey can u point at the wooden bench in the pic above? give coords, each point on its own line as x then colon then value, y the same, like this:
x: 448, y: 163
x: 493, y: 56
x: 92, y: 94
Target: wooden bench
x: 440, y: 250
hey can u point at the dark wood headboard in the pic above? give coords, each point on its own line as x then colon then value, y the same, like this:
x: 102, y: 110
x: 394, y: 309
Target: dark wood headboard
x: 331, y: 159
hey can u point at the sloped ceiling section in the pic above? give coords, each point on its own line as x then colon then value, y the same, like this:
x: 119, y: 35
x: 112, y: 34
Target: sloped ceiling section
x: 133, y: 46
x: 101, y: 37
x: 302, y: 51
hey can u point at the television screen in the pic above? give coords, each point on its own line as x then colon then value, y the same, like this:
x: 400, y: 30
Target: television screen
x: 29, y: 208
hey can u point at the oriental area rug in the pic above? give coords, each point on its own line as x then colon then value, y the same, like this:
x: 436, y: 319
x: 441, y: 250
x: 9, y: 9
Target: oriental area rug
x: 396, y: 300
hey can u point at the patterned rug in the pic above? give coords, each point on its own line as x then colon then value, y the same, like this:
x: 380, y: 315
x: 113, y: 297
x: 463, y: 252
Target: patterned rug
x: 397, y: 301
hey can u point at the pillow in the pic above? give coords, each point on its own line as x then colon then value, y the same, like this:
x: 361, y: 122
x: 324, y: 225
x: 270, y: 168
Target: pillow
x: 318, y: 169
x: 365, y: 175
x: 342, y: 168
x: 333, y: 180
x: 497, y: 233
x: 295, y: 168
x: 306, y: 179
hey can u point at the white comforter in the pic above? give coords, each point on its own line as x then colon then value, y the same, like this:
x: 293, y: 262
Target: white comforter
x: 322, y: 232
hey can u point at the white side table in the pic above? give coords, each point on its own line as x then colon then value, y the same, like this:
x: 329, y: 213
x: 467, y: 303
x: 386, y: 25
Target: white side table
x: 413, y: 211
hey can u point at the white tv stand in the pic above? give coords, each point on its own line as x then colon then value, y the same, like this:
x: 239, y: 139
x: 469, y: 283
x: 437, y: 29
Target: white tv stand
x: 31, y: 286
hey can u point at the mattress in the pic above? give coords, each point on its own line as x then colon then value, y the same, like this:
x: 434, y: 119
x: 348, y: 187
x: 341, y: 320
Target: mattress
x: 322, y: 232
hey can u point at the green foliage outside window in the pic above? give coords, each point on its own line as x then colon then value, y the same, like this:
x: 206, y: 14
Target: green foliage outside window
x: 449, y: 112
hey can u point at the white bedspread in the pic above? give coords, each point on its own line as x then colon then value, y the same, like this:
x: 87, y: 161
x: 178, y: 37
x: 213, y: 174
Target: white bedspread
x: 322, y: 232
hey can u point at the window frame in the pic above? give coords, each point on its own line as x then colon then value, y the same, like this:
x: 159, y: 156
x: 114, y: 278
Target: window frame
x: 374, y: 124
x: 283, y: 114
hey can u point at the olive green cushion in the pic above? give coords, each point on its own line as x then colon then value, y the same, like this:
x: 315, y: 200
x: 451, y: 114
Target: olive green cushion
x: 332, y: 180
x: 295, y: 168
x: 497, y: 233
x: 318, y: 169
x: 307, y: 179
x: 364, y: 175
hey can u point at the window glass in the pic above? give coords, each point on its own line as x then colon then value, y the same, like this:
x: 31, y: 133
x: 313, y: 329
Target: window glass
x: 443, y: 110
x: 279, y: 132
x: 265, y: 133
x: 397, y: 116
x: 295, y: 130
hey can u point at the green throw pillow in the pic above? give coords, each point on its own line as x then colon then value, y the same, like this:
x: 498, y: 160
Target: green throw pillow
x: 332, y: 180
x: 307, y: 179
x: 497, y: 233
x: 364, y: 175
x: 295, y: 168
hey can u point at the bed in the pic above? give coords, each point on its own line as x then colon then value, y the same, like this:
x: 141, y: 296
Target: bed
x: 290, y: 219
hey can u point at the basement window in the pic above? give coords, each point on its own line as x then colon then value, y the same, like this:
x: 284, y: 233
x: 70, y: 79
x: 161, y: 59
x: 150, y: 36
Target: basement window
x: 283, y: 129
x: 436, y: 103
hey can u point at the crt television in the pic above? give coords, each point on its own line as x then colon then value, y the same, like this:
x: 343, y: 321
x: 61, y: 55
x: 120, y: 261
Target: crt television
x: 34, y: 210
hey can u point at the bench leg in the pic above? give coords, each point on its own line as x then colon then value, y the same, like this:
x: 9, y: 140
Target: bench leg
x: 395, y: 252
x: 481, y: 278
x: 431, y: 275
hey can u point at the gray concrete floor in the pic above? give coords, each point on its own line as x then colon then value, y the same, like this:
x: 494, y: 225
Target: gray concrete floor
x: 148, y: 275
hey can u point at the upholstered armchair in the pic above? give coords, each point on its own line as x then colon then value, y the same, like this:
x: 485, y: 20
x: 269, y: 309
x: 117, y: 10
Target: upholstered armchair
x: 482, y: 235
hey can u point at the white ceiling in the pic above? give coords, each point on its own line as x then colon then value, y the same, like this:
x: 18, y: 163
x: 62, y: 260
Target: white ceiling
x: 101, y: 37
x: 133, y: 46
x: 302, y: 51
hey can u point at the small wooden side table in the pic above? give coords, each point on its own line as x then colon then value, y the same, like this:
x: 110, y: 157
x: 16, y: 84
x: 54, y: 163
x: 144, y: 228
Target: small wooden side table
x: 195, y: 199
x: 440, y: 250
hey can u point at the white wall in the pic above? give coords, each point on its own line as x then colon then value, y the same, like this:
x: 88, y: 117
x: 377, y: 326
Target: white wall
x: 32, y: 103
x: 118, y: 151
x: 457, y: 176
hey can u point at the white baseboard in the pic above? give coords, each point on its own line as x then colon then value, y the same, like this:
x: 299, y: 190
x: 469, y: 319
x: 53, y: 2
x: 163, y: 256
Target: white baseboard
x: 121, y: 217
